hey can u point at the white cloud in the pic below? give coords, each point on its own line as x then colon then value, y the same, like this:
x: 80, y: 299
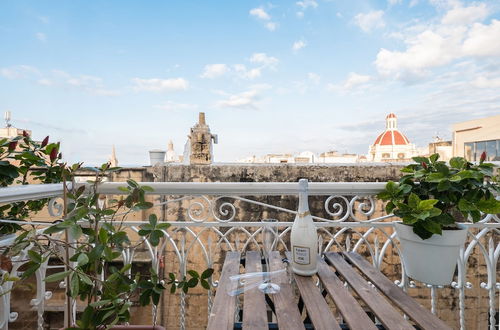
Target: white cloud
x: 466, y: 15
x: 212, y: 71
x: 297, y: 45
x: 45, y: 82
x: 242, y: 71
x: 160, y: 85
x: 260, y: 61
x: 264, y: 59
x: 19, y: 72
x: 41, y: 36
x: 437, y: 44
x: 90, y: 84
x: 483, y: 40
x: 353, y: 81
x: 260, y: 13
x: 245, y: 100
x: 394, y: 2
x: 84, y: 81
x: 483, y: 82
x: 307, y: 3
x: 429, y: 49
x: 171, y: 106
x: 371, y: 20
x: 300, y: 14
x: 271, y: 26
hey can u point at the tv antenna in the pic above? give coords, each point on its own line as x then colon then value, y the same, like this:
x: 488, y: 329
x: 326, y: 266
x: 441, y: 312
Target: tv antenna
x: 7, y: 118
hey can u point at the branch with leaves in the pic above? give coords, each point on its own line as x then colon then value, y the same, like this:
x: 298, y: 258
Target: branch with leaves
x: 95, y: 241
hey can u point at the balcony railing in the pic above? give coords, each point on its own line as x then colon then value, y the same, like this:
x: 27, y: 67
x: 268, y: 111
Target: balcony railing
x: 208, y: 219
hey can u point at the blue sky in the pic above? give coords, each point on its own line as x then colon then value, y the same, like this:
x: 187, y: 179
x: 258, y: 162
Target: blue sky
x: 272, y: 77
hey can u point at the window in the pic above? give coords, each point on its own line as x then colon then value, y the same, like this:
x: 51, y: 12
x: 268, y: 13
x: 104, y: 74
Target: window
x: 480, y: 148
x: 469, y: 151
x: 401, y: 155
x: 386, y: 155
x: 491, y: 150
x: 473, y: 150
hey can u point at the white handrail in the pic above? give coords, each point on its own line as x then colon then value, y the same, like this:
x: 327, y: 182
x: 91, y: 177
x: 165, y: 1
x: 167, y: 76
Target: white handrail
x: 249, y: 188
x: 31, y: 192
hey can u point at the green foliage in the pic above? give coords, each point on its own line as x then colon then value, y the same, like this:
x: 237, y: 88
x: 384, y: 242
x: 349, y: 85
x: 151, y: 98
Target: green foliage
x: 431, y: 194
x: 23, y: 160
x: 93, y: 272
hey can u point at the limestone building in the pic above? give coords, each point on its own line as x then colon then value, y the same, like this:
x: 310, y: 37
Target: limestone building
x: 472, y: 137
x: 391, y: 145
x: 441, y: 147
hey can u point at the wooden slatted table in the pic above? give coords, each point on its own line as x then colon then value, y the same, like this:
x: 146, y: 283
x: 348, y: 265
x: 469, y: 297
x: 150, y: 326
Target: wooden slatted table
x: 301, y: 304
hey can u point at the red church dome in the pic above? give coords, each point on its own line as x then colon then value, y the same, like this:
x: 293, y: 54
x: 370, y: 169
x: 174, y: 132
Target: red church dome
x: 391, y: 135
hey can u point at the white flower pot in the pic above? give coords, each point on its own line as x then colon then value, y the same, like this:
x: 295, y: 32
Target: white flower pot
x: 433, y: 260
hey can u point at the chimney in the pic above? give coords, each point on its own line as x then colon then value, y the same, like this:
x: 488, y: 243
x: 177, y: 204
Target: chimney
x: 201, y: 119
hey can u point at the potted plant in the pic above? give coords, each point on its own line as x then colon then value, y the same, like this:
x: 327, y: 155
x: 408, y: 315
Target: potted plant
x: 432, y: 198
x: 91, y: 243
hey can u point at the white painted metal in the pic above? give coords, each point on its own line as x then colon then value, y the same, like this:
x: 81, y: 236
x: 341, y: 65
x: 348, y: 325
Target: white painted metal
x: 31, y: 192
x: 250, y: 188
x: 210, y: 225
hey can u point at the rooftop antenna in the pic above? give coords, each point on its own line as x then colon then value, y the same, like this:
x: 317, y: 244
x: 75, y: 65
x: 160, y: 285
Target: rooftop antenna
x: 437, y: 138
x: 7, y: 118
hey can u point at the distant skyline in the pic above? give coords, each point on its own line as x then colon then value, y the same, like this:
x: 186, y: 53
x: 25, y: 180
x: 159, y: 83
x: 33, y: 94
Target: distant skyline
x: 272, y: 77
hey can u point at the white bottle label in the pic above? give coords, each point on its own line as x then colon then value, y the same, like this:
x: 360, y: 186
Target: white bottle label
x: 301, y: 255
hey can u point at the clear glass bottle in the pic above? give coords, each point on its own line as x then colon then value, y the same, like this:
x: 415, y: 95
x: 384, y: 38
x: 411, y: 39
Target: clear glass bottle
x: 304, y: 237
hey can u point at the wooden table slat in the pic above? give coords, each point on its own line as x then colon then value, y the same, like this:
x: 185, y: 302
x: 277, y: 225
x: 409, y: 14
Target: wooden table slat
x: 384, y: 311
x: 285, y: 304
x: 421, y: 316
x: 351, y: 311
x: 318, y: 310
x: 254, y: 303
x: 224, y: 307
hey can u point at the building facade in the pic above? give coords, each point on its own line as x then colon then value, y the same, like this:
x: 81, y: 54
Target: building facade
x: 473, y: 137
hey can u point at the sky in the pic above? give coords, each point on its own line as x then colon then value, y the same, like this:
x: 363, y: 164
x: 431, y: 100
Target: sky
x: 272, y: 77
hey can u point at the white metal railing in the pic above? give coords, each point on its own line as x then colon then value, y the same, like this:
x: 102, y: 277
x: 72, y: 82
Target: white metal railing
x: 208, y: 218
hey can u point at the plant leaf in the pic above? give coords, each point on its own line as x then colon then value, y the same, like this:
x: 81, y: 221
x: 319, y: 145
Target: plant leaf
x: 57, y: 276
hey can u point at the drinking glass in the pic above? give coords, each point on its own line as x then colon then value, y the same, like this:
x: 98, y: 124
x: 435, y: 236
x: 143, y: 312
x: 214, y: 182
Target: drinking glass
x: 269, y: 241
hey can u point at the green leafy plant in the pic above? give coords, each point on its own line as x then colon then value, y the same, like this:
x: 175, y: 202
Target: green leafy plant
x: 95, y: 272
x: 432, y: 195
x: 24, y: 161
x: 89, y: 242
